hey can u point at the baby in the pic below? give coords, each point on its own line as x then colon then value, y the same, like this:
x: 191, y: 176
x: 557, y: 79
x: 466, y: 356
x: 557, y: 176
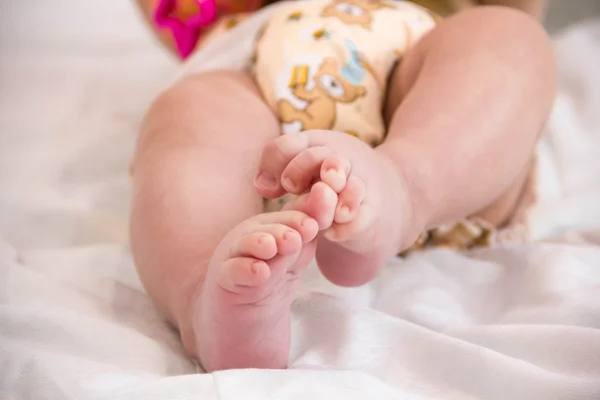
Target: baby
x: 375, y: 152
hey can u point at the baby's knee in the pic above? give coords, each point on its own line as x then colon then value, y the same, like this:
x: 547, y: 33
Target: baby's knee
x: 522, y: 43
x: 510, y: 39
x: 503, y: 26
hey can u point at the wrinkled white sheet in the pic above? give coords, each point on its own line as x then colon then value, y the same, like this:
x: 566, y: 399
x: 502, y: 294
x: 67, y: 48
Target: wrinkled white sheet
x: 513, y: 323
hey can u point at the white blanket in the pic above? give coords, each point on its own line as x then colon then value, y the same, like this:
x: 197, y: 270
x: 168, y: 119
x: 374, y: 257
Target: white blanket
x: 511, y: 323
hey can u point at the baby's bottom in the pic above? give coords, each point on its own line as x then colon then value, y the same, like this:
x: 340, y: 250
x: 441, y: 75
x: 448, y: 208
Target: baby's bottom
x: 464, y: 112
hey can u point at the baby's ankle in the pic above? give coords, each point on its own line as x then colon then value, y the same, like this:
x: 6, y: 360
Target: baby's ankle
x: 409, y: 178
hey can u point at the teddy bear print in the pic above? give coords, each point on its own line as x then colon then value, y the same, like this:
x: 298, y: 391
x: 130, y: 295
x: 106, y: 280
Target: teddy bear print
x: 354, y: 12
x: 331, y: 86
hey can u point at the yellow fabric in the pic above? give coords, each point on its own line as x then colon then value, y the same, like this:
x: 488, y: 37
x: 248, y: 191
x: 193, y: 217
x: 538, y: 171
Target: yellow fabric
x: 331, y: 70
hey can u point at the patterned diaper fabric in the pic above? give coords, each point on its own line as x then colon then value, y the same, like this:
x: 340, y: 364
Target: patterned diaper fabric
x: 324, y: 64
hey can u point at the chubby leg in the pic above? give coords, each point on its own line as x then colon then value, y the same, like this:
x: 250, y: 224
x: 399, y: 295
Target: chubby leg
x: 218, y: 269
x: 465, y: 108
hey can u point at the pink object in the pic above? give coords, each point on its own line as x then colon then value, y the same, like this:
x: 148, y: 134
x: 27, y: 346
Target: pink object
x: 185, y: 33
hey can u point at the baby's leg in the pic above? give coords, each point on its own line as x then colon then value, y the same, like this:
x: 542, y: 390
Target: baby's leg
x: 466, y: 106
x: 465, y: 109
x: 221, y: 273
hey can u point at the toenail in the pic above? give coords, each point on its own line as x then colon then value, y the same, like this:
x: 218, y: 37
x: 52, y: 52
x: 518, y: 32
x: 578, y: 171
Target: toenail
x: 288, y: 235
x: 256, y: 266
x: 288, y: 184
x: 262, y: 239
x: 265, y: 180
x: 305, y: 222
x: 344, y: 209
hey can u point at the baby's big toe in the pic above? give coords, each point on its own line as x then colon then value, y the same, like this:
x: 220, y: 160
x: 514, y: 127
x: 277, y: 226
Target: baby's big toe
x: 267, y: 241
x: 275, y: 157
x: 287, y: 239
x: 304, y: 169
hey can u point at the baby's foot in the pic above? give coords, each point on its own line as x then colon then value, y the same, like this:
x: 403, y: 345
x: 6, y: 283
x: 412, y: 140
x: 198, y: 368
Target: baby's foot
x: 373, y: 218
x: 241, y: 317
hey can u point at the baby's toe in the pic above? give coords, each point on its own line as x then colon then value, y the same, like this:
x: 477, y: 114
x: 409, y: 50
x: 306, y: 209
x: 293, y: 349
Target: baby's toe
x: 334, y: 172
x: 261, y: 245
x: 357, y: 225
x: 319, y: 204
x: 238, y: 273
x: 304, y: 169
x: 287, y: 239
x: 275, y: 157
x: 349, y: 201
x: 299, y: 221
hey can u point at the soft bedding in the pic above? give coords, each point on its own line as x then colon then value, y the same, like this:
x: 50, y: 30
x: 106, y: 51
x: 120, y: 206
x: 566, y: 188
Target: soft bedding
x: 518, y: 322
